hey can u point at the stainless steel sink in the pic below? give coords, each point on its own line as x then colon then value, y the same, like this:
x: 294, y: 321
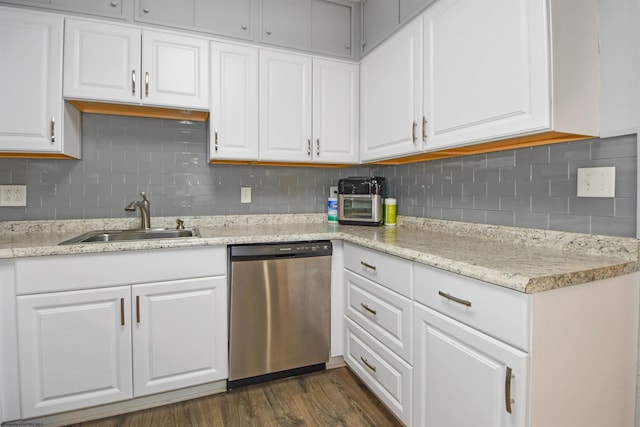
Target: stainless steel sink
x: 129, y: 235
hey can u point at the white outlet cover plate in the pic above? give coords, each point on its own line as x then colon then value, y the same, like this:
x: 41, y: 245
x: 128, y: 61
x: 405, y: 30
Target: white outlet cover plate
x: 245, y: 194
x: 13, y: 195
x: 597, y: 182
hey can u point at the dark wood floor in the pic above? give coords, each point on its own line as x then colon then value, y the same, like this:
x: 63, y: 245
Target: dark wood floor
x: 331, y: 398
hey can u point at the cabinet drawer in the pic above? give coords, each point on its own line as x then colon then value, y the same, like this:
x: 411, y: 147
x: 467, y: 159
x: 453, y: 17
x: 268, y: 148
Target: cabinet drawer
x: 97, y: 270
x: 387, y: 270
x: 388, y: 376
x: 500, y: 312
x: 383, y: 313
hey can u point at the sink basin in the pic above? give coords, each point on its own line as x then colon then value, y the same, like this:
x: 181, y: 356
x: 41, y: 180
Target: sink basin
x: 130, y: 235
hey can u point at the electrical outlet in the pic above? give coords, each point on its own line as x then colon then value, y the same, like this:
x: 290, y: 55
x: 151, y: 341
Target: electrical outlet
x: 333, y: 191
x: 597, y: 182
x: 245, y: 194
x: 13, y: 195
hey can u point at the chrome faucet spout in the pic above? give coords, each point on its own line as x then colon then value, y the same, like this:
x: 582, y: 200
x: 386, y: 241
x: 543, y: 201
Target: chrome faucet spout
x: 144, y: 206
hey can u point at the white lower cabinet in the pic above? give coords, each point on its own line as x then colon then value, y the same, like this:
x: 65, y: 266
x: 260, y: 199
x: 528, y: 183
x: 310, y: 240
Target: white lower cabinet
x: 179, y: 334
x: 75, y: 349
x: 463, y: 377
x: 81, y: 347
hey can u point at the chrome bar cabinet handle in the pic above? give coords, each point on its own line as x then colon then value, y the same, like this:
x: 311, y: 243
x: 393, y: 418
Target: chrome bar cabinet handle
x: 366, y: 362
x: 137, y: 308
x: 369, y: 309
x: 215, y: 140
x: 424, y: 129
x: 121, y: 311
x: 369, y: 266
x: 146, y: 84
x: 133, y: 82
x: 318, y: 147
x: 414, y: 127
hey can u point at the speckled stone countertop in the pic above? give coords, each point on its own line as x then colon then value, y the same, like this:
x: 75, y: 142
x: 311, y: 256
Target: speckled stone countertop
x: 525, y: 260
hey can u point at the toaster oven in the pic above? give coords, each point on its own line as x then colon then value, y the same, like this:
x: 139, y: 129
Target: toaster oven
x: 360, y: 200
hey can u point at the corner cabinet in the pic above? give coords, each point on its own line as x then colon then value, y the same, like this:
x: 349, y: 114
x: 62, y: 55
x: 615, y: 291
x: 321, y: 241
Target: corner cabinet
x: 308, y: 109
x: 122, y: 64
x: 134, y: 334
x: 34, y: 120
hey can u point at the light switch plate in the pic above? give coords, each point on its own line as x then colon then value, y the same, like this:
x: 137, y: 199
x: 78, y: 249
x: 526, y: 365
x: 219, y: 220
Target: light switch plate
x: 13, y: 195
x: 597, y: 182
x: 245, y: 194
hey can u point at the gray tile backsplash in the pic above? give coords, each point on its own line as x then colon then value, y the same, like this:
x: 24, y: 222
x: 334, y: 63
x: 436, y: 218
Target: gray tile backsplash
x: 528, y: 187
x: 122, y: 156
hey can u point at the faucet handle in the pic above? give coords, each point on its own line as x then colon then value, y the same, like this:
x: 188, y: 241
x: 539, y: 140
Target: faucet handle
x: 179, y: 224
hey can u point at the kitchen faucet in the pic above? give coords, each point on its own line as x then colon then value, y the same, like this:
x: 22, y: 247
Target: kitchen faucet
x: 143, y: 205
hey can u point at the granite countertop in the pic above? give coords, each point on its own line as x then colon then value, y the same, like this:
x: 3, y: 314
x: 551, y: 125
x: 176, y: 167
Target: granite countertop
x: 525, y: 260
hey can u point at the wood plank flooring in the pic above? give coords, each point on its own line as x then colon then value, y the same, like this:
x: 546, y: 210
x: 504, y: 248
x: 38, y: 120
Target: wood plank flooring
x: 331, y: 398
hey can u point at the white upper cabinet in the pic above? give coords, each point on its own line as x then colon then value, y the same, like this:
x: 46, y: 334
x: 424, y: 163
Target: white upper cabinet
x: 391, y: 96
x: 308, y: 109
x: 285, y: 107
x: 335, y: 112
x: 33, y: 116
x: 233, y: 120
x: 102, y: 62
x: 495, y: 70
x: 117, y: 63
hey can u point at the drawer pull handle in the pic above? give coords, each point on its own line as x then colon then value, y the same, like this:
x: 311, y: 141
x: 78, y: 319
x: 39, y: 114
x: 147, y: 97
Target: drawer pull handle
x: 122, y: 311
x: 370, y: 366
x: 137, y: 308
x: 507, y: 389
x: 455, y: 299
x: 369, y: 309
x: 369, y: 266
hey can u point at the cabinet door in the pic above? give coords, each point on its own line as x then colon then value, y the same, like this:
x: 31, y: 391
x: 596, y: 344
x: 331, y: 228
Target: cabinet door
x: 233, y: 121
x: 331, y: 28
x: 75, y: 349
x: 285, y: 107
x: 30, y: 81
x: 111, y: 8
x: 102, y: 62
x: 179, y: 334
x: 410, y: 8
x: 286, y: 23
x: 169, y: 12
x: 486, y: 71
x: 335, y: 112
x: 232, y: 18
x: 463, y: 377
x: 379, y: 19
x: 176, y: 70
x: 391, y: 96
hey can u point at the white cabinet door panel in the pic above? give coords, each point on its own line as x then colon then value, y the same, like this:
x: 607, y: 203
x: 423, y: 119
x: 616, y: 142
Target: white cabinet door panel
x: 175, y: 70
x: 75, y: 349
x: 285, y: 103
x: 180, y: 334
x: 102, y: 63
x: 234, y: 102
x: 391, y: 96
x: 486, y: 70
x: 335, y: 112
x: 462, y: 376
x: 30, y: 75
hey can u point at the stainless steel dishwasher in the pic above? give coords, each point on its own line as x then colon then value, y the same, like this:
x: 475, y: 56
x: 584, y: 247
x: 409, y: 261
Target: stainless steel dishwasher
x: 279, y: 310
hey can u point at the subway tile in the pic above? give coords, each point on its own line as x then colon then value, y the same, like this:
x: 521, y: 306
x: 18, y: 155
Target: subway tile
x: 623, y: 227
x: 625, y: 207
x: 486, y: 175
x: 619, y: 147
x: 566, y: 187
x: 501, y: 159
x: 518, y: 204
x: 550, y: 205
x: 452, y: 214
x: 500, y: 217
x: 474, y: 189
x: 462, y: 202
x: 571, y: 223
x: 486, y: 202
x: 515, y: 173
x: 476, y: 216
x: 570, y: 152
x: 549, y: 171
x: 531, y: 220
x: 598, y: 206
x: 532, y: 188
x: 507, y: 189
